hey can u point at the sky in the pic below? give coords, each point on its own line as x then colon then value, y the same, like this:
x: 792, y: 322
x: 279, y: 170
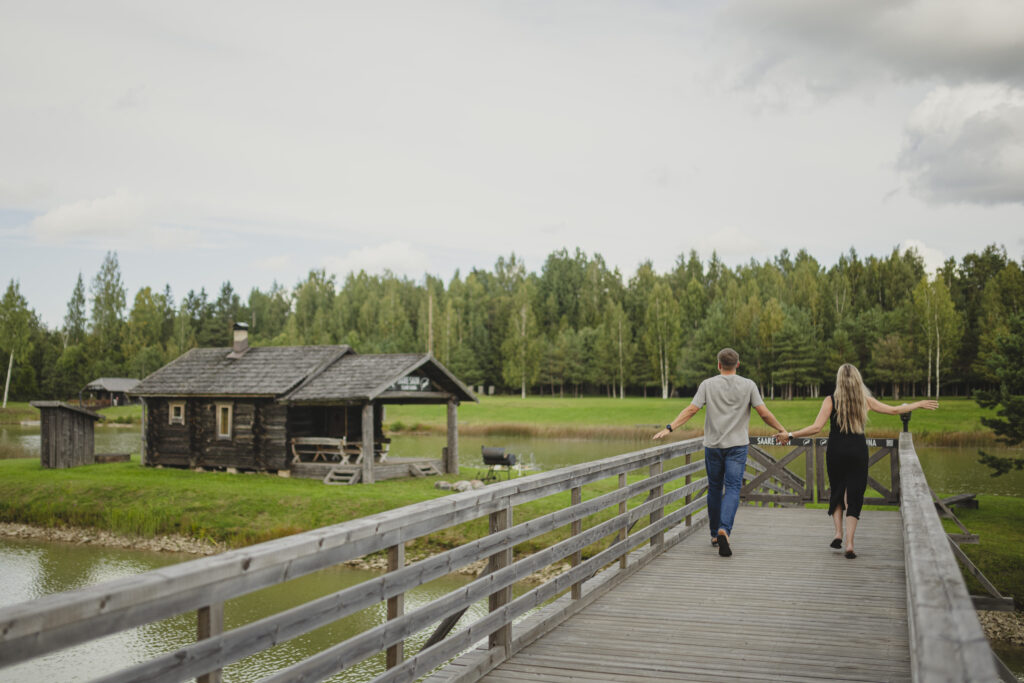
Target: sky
x: 254, y: 141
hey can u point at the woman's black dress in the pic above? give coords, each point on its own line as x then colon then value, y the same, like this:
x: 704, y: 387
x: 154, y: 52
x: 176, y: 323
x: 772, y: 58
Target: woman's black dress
x: 846, y: 460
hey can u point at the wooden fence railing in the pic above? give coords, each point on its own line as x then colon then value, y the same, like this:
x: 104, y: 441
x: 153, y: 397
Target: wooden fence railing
x: 946, y: 640
x: 672, y: 509
x: 773, y: 481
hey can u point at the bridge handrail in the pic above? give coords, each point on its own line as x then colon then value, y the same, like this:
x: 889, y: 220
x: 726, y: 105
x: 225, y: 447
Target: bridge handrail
x: 54, y: 622
x: 946, y: 639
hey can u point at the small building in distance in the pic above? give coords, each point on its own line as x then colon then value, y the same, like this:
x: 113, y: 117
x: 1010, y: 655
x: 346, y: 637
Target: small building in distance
x: 108, y: 391
x: 313, y: 411
x: 66, y: 436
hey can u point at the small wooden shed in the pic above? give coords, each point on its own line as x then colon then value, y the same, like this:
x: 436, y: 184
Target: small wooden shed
x: 66, y: 435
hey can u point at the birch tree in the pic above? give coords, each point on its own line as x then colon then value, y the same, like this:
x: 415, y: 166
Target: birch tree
x: 521, y: 346
x: 16, y: 324
x: 661, y: 332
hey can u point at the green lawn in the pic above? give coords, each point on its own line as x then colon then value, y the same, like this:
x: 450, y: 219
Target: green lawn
x: 235, y: 509
x: 17, y: 411
x: 957, y: 420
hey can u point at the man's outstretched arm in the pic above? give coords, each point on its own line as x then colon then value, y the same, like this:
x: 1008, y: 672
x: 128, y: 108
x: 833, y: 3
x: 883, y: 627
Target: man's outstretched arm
x: 769, y: 419
x: 684, y: 416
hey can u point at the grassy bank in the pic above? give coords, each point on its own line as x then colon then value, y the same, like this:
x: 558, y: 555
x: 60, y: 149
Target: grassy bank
x: 17, y: 412
x: 234, y: 509
x: 956, y: 423
x: 999, y: 523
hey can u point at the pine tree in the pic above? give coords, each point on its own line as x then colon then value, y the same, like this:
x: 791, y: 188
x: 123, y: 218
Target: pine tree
x: 1005, y: 364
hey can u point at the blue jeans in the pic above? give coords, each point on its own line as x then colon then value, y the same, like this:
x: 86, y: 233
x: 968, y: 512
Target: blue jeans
x: 725, y: 468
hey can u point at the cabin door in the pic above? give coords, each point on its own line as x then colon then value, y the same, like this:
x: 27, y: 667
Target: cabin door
x: 336, y: 426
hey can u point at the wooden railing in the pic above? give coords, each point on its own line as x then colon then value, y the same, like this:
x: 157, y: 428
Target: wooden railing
x: 946, y: 640
x: 772, y: 481
x: 604, y: 522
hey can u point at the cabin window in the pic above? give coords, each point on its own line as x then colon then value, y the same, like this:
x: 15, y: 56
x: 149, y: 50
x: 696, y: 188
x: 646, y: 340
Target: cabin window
x: 177, y: 413
x: 224, y: 411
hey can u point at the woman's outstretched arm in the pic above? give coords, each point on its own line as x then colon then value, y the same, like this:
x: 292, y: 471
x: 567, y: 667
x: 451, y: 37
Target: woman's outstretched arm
x: 816, y: 426
x: 879, y: 407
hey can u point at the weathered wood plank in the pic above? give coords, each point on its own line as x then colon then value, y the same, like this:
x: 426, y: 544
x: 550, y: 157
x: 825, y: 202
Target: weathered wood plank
x: 947, y: 643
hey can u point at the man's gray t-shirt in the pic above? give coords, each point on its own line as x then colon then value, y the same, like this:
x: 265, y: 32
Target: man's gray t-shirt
x: 729, y: 399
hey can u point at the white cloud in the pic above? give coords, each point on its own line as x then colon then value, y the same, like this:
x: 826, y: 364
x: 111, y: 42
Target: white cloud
x: 401, y: 258
x: 731, y: 244
x: 120, y: 220
x: 933, y: 258
x: 828, y: 45
x: 966, y: 144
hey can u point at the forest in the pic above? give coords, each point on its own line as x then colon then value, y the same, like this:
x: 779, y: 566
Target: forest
x: 576, y: 327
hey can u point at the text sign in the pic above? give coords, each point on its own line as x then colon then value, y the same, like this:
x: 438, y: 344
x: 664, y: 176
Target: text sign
x: 411, y: 383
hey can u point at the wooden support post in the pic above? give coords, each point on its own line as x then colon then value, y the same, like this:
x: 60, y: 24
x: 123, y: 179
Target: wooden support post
x: 894, y: 474
x: 819, y: 470
x: 577, y: 527
x: 623, y: 532
x: 368, y: 437
x: 808, y: 494
x: 396, y: 605
x: 210, y: 623
x: 451, y: 459
x: 144, y: 455
x: 656, y: 492
x: 689, y: 480
x: 499, y: 521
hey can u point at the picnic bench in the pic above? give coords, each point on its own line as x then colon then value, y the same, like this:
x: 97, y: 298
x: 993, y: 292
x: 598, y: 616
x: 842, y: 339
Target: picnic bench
x: 330, y: 449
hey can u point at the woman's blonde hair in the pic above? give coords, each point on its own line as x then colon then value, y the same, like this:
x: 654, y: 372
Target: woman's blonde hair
x: 851, y: 400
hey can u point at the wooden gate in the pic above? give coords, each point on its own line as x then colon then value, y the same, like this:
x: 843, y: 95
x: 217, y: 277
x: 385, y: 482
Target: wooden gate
x: 771, y: 481
x: 886, y: 448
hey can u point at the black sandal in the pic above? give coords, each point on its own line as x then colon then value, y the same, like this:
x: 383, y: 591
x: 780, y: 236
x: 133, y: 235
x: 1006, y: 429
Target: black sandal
x: 849, y: 554
x: 836, y: 543
x: 723, y: 546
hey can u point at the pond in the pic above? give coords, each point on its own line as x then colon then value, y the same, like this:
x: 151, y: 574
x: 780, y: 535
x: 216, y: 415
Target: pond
x: 32, y: 569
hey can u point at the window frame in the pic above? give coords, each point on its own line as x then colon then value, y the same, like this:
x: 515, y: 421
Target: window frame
x: 171, y: 419
x: 222, y: 433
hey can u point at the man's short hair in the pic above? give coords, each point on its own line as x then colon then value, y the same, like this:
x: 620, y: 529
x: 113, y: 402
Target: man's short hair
x: 728, y: 359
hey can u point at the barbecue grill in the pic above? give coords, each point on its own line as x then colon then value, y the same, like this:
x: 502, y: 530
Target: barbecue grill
x: 495, y: 457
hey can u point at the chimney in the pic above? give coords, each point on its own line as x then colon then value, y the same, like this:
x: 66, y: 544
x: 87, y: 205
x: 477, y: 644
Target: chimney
x: 241, y: 341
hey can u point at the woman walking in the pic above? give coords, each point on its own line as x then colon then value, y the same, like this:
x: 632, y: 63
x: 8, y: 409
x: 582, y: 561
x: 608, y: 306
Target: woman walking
x: 846, y: 456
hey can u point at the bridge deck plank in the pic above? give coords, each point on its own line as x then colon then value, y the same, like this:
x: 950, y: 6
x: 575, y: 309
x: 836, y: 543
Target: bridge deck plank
x: 783, y: 607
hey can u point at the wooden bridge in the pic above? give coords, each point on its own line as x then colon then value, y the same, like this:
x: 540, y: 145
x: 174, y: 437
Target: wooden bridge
x: 646, y: 598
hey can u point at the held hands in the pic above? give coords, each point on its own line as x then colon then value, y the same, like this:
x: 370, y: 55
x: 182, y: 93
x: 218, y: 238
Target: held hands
x: 928, y: 405
x: 782, y: 438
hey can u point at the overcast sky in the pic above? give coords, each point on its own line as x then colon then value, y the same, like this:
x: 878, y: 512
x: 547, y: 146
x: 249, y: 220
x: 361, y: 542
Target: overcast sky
x: 253, y: 141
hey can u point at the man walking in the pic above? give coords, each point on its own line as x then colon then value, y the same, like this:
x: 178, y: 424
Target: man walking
x: 729, y: 399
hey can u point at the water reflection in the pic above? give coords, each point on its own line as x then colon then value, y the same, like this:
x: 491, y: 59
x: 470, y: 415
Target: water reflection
x: 33, y: 569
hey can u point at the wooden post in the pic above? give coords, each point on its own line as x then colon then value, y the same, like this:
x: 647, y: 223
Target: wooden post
x: 819, y: 465
x: 210, y: 623
x: 451, y: 461
x: 658, y: 513
x: 144, y: 455
x: 396, y: 605
x: 689, y: 479
x: 499, y: 521
x: 577, y: 527
x: 623, y: 532
x: 894, y: 475
x: 368, y: 437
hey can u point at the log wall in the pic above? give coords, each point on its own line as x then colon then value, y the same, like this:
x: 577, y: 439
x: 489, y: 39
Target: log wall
x: 259, y: 435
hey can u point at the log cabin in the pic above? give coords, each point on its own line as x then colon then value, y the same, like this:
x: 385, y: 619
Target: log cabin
x: 315, y: 411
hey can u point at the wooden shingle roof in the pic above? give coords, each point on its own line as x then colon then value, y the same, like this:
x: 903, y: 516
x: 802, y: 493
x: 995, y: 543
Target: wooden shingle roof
x: 261, y: 371
x: 361, y: 377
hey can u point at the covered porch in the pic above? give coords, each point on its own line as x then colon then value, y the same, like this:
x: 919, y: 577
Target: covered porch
x: 329, y: 415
